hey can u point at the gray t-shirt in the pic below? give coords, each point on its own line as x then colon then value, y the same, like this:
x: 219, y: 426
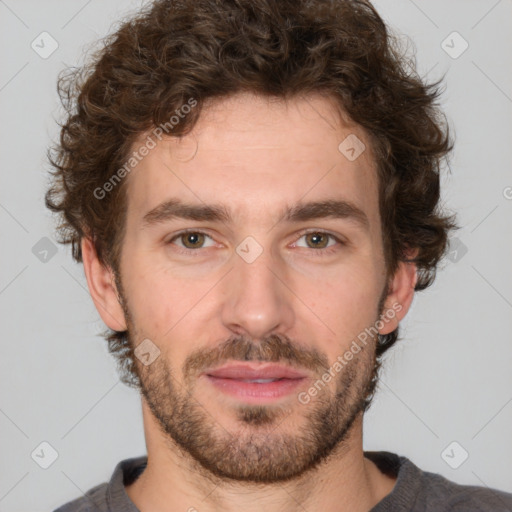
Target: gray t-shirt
x: 414, y: 491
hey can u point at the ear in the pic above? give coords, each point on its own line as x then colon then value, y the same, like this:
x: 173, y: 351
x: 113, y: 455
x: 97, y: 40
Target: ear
x: 100, y: 280
x: 401, y: 293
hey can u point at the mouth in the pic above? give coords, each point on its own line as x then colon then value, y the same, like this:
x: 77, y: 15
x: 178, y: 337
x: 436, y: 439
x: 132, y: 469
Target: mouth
x: 254, y: 372
x: 255, y: 383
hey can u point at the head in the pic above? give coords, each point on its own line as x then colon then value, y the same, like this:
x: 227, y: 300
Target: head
x: 299, y: 148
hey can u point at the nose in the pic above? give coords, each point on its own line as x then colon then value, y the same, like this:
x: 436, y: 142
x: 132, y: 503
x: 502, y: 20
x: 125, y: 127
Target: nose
x: 258, y: 299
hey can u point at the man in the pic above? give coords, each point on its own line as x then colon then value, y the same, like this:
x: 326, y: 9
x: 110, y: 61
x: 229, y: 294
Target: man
x: 253, y: 190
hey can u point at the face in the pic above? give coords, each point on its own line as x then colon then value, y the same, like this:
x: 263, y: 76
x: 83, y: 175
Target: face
x: 281, y: 262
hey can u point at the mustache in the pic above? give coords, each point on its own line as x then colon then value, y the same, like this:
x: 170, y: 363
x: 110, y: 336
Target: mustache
x: 273, y: 348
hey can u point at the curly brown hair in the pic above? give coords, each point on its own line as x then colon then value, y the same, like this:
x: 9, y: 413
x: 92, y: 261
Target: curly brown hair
x: 173, y: 50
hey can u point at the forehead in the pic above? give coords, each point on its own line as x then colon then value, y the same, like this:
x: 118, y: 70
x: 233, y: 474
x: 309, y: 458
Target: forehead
x: 257, y: 156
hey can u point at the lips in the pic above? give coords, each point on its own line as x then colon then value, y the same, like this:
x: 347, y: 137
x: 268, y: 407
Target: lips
x: 254, y: 372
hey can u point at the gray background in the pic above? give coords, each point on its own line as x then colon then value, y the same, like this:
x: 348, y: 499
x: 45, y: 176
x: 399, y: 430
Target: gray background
x: 448, y: 380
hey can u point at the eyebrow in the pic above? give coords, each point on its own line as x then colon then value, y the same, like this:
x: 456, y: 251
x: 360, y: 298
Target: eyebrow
x: 176, y: 209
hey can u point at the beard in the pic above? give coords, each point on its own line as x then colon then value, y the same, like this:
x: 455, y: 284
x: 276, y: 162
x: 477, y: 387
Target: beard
x: 261, y: 446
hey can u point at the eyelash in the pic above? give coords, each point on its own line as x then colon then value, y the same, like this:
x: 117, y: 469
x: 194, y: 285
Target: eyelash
x: 320, y: 252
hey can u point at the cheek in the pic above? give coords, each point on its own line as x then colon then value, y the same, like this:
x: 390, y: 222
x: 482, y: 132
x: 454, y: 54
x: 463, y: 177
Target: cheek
x: 345, y: 301
x: 165, y: 306
x: 150, y: 297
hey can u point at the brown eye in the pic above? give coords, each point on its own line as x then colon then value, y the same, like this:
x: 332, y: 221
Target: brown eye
x: 317, y: 240
x: 323, y: 242
x: 192, y: 240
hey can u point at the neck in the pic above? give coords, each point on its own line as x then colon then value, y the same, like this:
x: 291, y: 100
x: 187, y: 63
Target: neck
x: 345, y: 481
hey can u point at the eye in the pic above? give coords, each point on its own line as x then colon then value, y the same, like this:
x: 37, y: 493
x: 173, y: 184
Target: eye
x: 191, y: 240
x: 322, y: 241
x: 319, y: 240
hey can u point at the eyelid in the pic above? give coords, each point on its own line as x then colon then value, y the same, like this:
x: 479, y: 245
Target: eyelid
x: 324, y: 250
x: 297, y: 236
x: 184, y: 232
x: 322, y: 231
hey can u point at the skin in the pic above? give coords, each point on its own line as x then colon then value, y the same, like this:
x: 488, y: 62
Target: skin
x: 296, y: 303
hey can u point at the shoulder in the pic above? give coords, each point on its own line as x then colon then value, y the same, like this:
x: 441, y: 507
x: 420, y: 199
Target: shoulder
x: 94, y: 500
x: 110, y: 496
x: 416, y: 490
x: 437, y: 491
